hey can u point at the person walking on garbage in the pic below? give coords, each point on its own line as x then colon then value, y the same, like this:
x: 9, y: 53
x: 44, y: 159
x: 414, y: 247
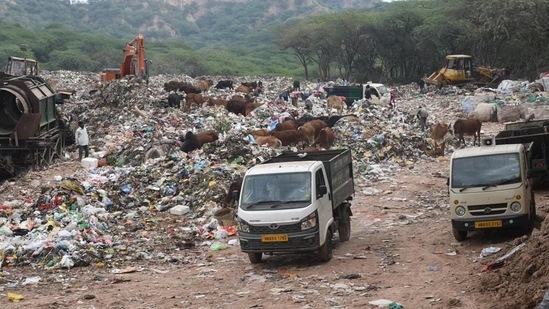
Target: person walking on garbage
x: 421, y: 84
x: 82, y: 140
x: 369, y: 92
x: 392, y: 96
x: 422, y: 115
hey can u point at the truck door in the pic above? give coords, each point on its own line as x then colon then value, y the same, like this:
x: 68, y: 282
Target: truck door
x: 323, y: 201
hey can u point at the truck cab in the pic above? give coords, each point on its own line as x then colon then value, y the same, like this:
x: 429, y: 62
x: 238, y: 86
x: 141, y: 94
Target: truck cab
x: 491, y: 188
x: 295, y: 204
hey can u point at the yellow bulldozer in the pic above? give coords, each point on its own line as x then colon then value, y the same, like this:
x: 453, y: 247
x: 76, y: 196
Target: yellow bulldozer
x: 459, y: 69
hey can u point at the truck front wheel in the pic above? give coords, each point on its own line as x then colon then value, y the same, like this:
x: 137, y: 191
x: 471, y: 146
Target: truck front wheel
x: 459, y: 235
x: 326, y: 251
x: 255, y: 257
x: 344, y: 229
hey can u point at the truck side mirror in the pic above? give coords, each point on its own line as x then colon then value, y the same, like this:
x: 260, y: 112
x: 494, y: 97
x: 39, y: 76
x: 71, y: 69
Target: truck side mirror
x: 235, y: 195
x: 322, y: 190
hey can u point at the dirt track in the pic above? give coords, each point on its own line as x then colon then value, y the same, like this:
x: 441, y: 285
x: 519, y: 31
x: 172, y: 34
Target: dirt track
x: 401, y: 249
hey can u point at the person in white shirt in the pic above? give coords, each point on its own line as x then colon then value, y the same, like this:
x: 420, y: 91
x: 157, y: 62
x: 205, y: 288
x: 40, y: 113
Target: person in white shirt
x: 82, y: 140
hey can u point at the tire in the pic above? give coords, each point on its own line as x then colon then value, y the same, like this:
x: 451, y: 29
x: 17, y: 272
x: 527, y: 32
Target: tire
x: 327, y: 249
x: 459, y: 235
x: 255, y: 257
x: 344, y: 229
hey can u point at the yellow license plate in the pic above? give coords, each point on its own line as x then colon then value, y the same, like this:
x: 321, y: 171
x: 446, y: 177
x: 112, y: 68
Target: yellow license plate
x: 274, y: 238
x: 488, y: 224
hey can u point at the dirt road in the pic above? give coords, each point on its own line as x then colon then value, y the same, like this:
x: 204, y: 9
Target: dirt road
x: 401, y: 249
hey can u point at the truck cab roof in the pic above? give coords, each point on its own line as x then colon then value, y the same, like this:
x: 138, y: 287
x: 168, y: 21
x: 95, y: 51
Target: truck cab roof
x: 487, y: 150
x: 283, y: 167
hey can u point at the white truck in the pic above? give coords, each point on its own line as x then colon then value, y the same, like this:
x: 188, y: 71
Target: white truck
x: 294, y: 203
x: 490, y: 187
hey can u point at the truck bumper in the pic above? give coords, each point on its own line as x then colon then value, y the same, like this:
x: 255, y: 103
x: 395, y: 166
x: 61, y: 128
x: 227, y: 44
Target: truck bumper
x: 506, y: 222
x: 297, y: 242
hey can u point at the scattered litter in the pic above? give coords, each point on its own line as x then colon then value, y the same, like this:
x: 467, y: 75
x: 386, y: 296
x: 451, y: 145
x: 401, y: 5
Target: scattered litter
x: 500, y: 261
x: 381, y: 303
x: 489, y: 251
x: 14, y: 297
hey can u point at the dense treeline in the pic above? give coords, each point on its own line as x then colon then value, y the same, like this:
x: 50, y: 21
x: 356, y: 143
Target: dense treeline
x: 410, y: 38
x: 397, y: 42
x: 58, y: 48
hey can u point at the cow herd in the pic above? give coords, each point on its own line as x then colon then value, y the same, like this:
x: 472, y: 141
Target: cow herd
x: 307, y: 133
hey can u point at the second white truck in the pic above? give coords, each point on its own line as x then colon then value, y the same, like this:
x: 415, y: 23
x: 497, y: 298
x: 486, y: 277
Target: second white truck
x: 490, y: 187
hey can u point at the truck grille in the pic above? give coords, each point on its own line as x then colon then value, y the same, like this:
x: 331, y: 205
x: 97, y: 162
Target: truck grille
x: 487, y: 210
x: 282, y: 229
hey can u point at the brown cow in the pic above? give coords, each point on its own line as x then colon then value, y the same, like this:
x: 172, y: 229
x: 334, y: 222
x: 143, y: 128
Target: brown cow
x: 470, y: 126
x: 329, y: 120
x: 287, y: 137
x: 217, y: 102
x: 260, y: 132
x: 317, y: 125
x: 252, y: 85
x: 251, y: 106
x: 203, y: 85
x: 181, y: 86
x: 194, y: 98
x: 237, y: 104
x: 307, y: 132
x: 325, y: 138
x: 335, y: 102
x: 270, y: 141
x: 195, y: 141
x: 243, y: 89
x: 289, y: 124
x: 438, y: 134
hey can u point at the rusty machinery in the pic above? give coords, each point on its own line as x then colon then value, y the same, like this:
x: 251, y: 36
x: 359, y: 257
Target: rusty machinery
x: 30, y: 127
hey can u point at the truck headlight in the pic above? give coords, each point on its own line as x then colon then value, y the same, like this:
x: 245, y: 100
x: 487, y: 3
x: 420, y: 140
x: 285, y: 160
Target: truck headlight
x: 460, y: 211
x: 309, y: 222
x: 243, y: 226
x: 516, y: 207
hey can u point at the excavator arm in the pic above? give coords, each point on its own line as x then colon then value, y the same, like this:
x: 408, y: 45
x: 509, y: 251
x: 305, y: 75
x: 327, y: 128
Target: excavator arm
x: 134, y: 61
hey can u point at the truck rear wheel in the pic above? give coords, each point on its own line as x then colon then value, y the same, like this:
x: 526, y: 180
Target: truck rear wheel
x: 255, y: 257
x: 327, y: 249
x: 459, y: 235
x: 344, y: 229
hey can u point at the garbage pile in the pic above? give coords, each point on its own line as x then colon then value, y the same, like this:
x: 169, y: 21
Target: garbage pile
x: 133, y: 204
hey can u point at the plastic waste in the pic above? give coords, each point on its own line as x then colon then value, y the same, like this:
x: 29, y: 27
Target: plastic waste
x: 66, y: 262
x: 31, y: 280
x: 14, y: 297
x: 489, y: 251
x: 545, y: 301
x: 126, y: 188
x: 217, y: 246
x: 179, y: 210
x: 221, y: 234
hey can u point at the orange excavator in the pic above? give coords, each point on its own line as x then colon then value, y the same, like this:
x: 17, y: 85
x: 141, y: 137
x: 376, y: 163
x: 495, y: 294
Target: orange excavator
x: 133, y: 63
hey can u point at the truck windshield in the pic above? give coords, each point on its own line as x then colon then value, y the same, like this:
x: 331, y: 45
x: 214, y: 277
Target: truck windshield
x: 288, y: 190
x: 486, y: 171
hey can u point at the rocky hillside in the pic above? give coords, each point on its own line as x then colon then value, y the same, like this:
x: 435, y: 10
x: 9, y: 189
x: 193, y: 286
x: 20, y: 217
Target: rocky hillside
x: 200, y: 23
